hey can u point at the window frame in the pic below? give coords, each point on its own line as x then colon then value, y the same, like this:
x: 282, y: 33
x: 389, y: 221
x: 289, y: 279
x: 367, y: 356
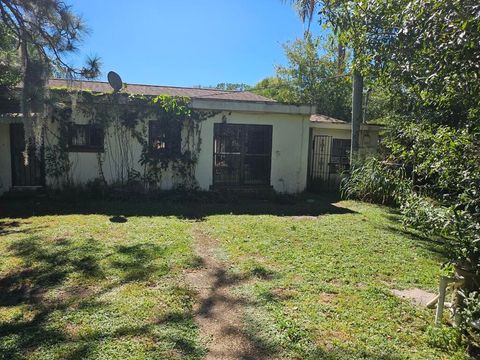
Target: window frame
x: 336, y: 153
x: 172, y: 137
x: 223, y: 131
x: 88, y: 146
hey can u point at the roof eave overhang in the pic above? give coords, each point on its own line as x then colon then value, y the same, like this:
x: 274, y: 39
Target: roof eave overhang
x: 346, y: 126
x: 251, y: 106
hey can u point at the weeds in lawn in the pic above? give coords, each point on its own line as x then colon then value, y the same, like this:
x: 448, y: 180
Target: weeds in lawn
x: 329, y: 295
x: 75, y: 285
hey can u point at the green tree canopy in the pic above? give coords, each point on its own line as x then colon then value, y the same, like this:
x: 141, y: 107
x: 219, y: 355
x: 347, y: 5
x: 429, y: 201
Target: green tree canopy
x: 233, y: 87
x: 44, y: 32
x: 310, y: 77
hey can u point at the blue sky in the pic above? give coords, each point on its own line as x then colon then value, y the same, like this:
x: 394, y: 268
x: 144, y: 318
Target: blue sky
x: 190, y: 42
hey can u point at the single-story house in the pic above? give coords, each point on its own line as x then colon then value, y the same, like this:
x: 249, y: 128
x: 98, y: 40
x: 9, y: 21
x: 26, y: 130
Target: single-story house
x: 238, y: 140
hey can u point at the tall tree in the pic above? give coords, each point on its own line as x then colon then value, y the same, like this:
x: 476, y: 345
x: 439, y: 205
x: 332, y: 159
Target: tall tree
x: 45, y: 32
x: 311, y: 77
x: 330, y: 9
x: 426, y: 55
x: 10, y: 70
x: 306, y: 9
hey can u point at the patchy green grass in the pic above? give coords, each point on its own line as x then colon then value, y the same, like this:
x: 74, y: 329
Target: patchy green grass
x: 75, y: 285
x: 81, y: 286
x: 322, y: 285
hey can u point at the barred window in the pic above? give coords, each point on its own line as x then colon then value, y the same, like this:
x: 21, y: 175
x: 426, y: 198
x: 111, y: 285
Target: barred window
x: 162, y: 139
x: 340, y: 151
x: 85, y: 138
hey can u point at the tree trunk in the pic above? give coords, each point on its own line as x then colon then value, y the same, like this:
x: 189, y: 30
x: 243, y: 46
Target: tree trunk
x: 356, y: 114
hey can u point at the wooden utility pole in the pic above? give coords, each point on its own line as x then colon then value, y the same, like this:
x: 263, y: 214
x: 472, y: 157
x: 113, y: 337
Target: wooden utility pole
x: 357, y: 94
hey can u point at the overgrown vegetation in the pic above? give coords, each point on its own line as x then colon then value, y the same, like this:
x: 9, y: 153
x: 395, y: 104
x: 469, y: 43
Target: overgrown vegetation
x: 376, y: 182
x: 424, y: 55
x: 96, y: 279
x: 125, y: 123
x: 312, y: 76
x: 45, y: 33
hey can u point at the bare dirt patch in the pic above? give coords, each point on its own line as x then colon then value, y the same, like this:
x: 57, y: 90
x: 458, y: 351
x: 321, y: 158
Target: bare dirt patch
x: 283, y: 293
x: 304, y: 217
x: 417, y: 296
x: 326, y: 298
x: 218, y: 311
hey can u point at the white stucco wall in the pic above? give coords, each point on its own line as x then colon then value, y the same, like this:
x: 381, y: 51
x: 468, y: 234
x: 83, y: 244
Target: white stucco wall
x: 5, y: 159
x: 289, y: 148
x: 289, y: 152
x: 369, y: 136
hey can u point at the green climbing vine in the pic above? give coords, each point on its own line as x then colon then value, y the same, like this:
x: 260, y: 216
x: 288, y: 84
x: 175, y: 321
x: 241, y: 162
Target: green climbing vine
x: 127, y: 121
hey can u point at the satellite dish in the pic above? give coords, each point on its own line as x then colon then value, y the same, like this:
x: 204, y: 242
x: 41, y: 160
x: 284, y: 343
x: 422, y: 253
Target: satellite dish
x: 115, y: 81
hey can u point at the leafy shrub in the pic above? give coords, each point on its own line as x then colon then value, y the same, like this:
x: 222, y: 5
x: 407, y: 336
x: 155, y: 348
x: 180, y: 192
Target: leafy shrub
x: 377, y: 182
x: 96, y: 188
x: 470, y: 317
x: 446, y: 338
x: 445, y: 161
x: 458, y: 229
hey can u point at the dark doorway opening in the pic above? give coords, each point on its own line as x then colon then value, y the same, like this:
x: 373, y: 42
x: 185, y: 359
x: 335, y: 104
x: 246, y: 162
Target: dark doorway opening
x: 33, y: 173
x: 329, y: 159
x: 242, y: 155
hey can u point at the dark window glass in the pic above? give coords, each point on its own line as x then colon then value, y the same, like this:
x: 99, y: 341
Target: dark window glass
x: 242, y: 154
x: 87, y: 138
x: 228, y: 139
x: 340, y: 151
x: 257, y: 141
x: 162, y: 139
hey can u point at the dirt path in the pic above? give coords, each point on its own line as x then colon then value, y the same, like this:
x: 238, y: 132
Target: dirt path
x: 218, y: 312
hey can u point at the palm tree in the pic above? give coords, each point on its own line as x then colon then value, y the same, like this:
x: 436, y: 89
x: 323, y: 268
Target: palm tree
x: 306, y: 10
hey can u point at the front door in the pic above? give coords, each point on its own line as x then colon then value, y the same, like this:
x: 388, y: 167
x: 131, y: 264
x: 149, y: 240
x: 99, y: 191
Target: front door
x: 242, y: 155
x: 31, y: 174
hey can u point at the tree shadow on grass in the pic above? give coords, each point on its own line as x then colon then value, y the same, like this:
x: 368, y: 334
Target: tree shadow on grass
x: 299, y: 343
x: 304, y: 205
x: 46, y: 266
x: 220, y: 310
x: 15, y: 227
x: 42, y: 290
x: 137, y: 262
x: 9, y: 227
x: 432, y: 245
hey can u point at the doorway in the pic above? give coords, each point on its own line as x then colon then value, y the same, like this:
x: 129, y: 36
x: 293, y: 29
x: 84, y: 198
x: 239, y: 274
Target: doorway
x: 31, y: 174
x: 242, y: 155
x: 329, y: 159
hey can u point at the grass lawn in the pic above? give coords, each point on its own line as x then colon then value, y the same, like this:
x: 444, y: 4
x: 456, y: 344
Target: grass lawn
x: 81, y: 286
x: 75, y: 285
x: 321, y: 287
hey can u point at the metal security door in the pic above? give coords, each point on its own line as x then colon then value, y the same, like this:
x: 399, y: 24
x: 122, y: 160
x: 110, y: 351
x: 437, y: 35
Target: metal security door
x: 319, y: 161
x: 242, y: 155
x: 31, y: 174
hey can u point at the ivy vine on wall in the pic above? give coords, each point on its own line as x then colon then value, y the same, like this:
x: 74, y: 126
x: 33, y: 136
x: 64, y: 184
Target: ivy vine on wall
x: 126, y: 120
